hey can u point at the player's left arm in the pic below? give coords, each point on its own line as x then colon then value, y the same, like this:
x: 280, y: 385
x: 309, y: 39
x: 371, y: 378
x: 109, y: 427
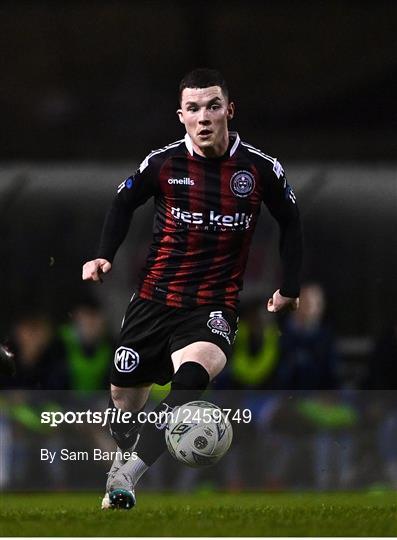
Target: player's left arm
x: 281, y: 202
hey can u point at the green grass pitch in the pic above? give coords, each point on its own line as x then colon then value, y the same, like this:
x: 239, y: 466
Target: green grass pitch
x: 213, y: 514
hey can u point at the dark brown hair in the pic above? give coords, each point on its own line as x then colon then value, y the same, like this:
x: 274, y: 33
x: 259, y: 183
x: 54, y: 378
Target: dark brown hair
x: 203, y: 78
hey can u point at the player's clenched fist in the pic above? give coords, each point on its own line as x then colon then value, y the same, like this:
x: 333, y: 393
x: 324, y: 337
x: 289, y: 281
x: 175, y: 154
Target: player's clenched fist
x: 92, y: 270
x: 279, y: 302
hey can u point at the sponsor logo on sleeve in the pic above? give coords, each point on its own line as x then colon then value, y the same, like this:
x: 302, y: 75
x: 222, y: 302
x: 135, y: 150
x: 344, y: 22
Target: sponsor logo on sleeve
x: 278, y: 169
x: 127, y: 183
x: 289, y: 194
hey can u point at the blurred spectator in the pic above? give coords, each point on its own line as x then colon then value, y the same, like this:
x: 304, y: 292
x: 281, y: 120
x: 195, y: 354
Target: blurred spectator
x: 386, y: 439
x: 382, y: 377
x: 40, y: 365
x: 89, y: 348
x: 382, y: 374
x: 39, y: 355
x: 253, y: 367
x: 332, y: 418
x: 256, y: 350
x: 5, y: 448
x: 308, y: 353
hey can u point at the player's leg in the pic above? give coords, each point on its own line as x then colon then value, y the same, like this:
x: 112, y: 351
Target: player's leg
x: 195, y: 365
x: 126, y: 435
x: 208, y: 355
x: 138, y: 351
x: 200, y: 341
x: 131, y: 400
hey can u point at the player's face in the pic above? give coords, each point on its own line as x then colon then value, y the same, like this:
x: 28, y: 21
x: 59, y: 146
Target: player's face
x: 205, y: 112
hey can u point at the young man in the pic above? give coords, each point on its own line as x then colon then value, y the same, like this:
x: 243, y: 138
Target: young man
x: 180, y: 324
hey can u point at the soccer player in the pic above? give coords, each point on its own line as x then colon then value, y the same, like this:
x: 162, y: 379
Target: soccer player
x: 181, y: 322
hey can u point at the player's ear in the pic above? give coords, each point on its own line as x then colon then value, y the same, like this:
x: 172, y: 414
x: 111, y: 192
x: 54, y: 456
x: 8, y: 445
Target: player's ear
x: 180, y: 116
x: 230, y: 110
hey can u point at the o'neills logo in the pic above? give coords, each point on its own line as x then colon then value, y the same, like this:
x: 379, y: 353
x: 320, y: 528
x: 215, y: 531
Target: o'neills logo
x: 239, y: 220
x: 185, y: 181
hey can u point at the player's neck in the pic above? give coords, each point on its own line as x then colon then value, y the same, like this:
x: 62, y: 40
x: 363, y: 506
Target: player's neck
x: 215, y: 151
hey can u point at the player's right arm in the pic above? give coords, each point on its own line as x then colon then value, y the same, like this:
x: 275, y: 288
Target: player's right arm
x: 131, y: 194
x: 281, y: 202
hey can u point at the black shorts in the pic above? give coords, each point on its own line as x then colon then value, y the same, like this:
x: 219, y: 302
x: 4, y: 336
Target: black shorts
x: 151, y: 332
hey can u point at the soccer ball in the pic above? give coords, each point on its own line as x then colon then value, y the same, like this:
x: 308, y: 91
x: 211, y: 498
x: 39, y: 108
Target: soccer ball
x: 198, y: 433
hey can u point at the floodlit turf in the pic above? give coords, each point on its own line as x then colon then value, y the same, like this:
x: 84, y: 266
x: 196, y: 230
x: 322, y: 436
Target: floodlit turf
x: 253, y: 514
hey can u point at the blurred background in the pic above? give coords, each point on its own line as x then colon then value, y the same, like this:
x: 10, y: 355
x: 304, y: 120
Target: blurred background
x: 89, y: 88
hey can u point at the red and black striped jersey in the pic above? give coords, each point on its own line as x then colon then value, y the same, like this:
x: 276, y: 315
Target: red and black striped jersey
x: 206, y: 210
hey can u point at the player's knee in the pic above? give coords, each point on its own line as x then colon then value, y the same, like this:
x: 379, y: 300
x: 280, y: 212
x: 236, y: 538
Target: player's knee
x: 208, y: 355
x: 129, y: 399
x: 190, y: 376
x: 119, y: 397
x: 213, y: 364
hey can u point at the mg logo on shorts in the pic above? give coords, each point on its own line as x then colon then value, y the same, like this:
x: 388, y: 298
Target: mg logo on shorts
x: 126, y: 360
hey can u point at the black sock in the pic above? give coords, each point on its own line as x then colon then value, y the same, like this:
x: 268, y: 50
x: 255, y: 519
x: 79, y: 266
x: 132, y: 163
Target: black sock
x: 188, y: 383
x: 125, y: 434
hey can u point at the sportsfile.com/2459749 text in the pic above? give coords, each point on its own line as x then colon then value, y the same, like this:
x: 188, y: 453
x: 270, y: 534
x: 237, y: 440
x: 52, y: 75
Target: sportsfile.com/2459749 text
x: 180, y: 414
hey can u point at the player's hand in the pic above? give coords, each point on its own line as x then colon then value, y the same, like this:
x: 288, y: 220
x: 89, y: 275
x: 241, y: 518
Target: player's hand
x: 280, y: 303
x: 93, y: 270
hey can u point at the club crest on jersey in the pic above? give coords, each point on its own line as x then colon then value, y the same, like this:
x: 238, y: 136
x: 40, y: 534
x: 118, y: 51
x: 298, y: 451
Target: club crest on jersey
x: 242, y: 183
x: 219, y: 325
x: 126, y: 360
